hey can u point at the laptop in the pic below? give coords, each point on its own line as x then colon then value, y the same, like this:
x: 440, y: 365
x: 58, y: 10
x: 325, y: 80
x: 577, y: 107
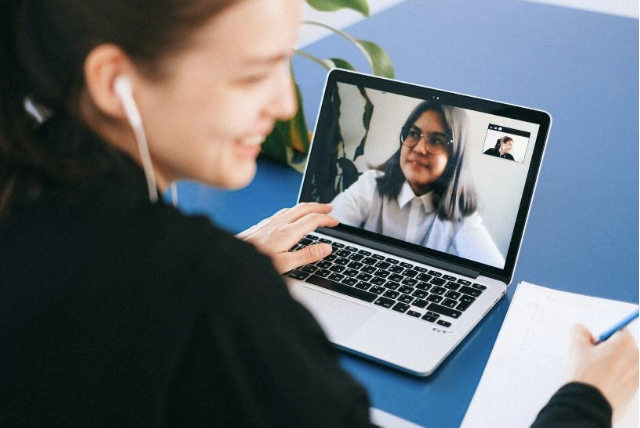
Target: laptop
x: 433, y: 190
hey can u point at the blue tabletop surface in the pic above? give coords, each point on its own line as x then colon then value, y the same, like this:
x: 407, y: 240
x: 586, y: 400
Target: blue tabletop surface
x: 582, y: 234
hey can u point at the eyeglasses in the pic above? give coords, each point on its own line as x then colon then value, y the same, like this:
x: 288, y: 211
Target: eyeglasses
x: 437, y: 142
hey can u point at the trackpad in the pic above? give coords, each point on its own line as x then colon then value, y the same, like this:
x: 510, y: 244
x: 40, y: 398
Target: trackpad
x: 338, y: 317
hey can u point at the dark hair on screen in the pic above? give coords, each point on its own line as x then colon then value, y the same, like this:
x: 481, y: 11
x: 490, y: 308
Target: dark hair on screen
x: 502, y: 141
x: 454, y: 196
x: 43, y: 46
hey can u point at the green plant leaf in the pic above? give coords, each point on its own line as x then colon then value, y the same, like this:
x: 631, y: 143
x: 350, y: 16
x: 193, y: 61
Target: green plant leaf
x: 340, y: 63
x: 361, y: 6
x: 378, y: 59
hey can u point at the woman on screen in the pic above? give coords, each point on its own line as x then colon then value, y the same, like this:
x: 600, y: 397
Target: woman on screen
x: 423, y: 194
x: 502, y: 148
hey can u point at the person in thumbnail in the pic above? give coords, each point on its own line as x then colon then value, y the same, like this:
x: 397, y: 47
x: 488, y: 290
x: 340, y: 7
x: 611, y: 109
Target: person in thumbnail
x: 422, y: 194
x: 502, y: 148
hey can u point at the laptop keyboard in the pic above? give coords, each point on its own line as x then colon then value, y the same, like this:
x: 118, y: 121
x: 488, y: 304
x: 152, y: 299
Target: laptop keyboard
x: 390, y: 283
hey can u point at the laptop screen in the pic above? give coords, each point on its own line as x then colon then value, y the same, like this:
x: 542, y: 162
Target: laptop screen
x: 438, y: 173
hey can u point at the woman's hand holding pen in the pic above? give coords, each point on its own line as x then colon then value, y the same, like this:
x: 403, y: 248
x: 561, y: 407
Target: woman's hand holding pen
x: 274, y: 236
x: 610, y: 366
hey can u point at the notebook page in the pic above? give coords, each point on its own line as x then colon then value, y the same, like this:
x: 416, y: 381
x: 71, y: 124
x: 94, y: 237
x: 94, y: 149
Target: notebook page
x: 528, y: 361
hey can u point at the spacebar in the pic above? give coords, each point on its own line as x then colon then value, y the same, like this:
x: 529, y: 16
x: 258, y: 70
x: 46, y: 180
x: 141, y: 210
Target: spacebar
x: 341, y: 288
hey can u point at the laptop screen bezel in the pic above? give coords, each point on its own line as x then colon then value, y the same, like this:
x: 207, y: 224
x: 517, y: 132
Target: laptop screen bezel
x: 541, y: 118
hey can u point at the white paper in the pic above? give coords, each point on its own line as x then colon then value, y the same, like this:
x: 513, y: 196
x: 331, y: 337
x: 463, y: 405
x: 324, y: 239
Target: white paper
x: 387, y: 420
x: 528, y: 362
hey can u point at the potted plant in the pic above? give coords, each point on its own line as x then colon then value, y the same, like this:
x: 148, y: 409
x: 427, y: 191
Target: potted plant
x: 289, y: 141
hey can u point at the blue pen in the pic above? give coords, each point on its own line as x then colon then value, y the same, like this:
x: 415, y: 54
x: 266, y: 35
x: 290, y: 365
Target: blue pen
x: 607, y: 334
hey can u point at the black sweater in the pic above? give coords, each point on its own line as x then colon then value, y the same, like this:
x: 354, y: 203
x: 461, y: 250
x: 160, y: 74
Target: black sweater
x: 117, y: 312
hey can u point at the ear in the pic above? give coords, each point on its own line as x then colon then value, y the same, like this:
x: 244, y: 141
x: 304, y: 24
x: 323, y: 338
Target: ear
x: 102, y: 67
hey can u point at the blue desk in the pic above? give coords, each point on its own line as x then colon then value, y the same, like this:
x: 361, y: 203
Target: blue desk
x: 583, y: 231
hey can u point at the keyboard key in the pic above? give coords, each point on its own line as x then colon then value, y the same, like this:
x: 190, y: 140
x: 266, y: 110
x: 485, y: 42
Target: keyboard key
x: 323, y: 273
x: 337, y: 268
x: 413, y: 314
x: 434, y: 298
x: 438, y: 290
x: 364, y: 252
x: 369, y: 261
x: 410, y: 273
x: 409, y: 281
x: 407, y: 265
x: 450, y: 303
x: 423, y: 286
x: 405, y: 298
x: 452, y: 294
x: 467, y: 299
x: 356, y: 257
x: 363, y: 285
x: 364, y: 277
x: 391, y: 294
x: 464, y: 282
x: 342, y: 261
x: 405, y: 289
x: 313, y: 237
x: 378, y: 281
x: 449, y: 277
x: 350, y: 281
x: 368, y: 269
x: 392, y: 285
x: 429, y: 318
x: 424, y: 277
x: 442, y: 310
x: 396, y: 269
x: 437, y: 281
x: 420, y: 269
x: 382, y: 273
x: 331, y: 257
x: 298, y: 274
x: 435, y: 273
x: 452, y: 285
x: 377, y: 289
x: 351, y: 248
x: 295, y: 248
x: 351, y: 272
x: 443, y: 323
x: 310, y: 268
x: 400, y: 307
x: 420, y: 303
x: 463, y: 306
x: 470, y: 291
x: 336, y: 277
x: 395, y: 277
x: 338, y: 244
x: 324, y: 240
x: 384, y: 302
x: 378, y: 257
x: 392, y: 261
x: 305, y: 241
x: 341, y: 288
x: 479, y: 286
x: 355, y: 265
x: 420, y: 294
x: 343, y: 253
x: 383, y: 265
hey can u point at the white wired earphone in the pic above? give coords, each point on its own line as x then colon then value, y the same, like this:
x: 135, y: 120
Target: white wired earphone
x: 124, y: 90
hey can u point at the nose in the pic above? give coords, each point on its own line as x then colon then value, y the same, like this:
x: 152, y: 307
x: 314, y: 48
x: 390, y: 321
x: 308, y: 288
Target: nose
x: 284, y: 104
x: 421, y: 147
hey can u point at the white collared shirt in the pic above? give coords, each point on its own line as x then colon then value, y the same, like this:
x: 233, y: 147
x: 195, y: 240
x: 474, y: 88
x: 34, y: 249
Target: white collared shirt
x: 413, y: 219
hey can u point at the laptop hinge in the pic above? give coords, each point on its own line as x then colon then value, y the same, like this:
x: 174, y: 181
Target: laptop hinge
x: 400, y: 252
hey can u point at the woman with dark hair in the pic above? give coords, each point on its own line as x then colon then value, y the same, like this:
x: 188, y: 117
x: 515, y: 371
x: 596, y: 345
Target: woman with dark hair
x: 119, y: 310
x: 423, y: 194
x: 502, y: 148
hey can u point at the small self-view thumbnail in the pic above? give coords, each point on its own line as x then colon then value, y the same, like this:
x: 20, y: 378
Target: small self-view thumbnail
x: 506, y: 143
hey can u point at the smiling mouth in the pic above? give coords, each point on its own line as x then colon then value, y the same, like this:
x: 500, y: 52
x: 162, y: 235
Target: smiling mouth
x: 416, y: 163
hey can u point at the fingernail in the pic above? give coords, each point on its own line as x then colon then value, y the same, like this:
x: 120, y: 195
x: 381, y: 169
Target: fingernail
x: 326, y: 249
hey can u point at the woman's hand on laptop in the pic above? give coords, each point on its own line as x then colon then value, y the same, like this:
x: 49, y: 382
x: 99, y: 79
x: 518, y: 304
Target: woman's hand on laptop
x: 274, y: 236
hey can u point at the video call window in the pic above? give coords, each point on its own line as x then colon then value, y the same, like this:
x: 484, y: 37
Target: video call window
x: 506, y: 143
